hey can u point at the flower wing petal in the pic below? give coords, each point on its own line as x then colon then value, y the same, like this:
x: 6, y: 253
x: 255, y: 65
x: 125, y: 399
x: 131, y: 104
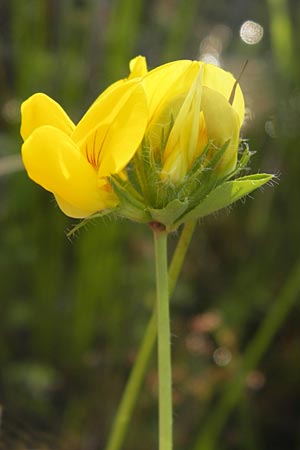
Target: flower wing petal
x: 39, y: 110
x: 53, y: 160
x: 77, y: 213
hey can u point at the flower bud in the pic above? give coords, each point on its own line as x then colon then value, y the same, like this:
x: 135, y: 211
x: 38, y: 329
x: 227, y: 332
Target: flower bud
x: 190, y: 148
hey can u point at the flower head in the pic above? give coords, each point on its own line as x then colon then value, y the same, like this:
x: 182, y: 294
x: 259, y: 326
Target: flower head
x: 74, y: 162
x: 158, y: 146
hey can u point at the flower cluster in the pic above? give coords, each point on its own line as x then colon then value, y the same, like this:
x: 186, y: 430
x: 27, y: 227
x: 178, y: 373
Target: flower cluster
x: 161, y: 145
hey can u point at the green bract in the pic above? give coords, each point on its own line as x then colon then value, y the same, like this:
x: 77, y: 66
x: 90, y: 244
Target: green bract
x: 145, y: 198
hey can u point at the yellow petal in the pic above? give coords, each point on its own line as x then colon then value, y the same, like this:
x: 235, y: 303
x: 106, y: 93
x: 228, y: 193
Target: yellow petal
x: 159, y: 128
x: 186, y: 126
x: 115, y: 127
x: 167, y: 82
x: 71, y: 210
x: 108, y: 90
x: 53, y: 160
x: 178, y: 160
x: 222, y: 124
x: 41, y: 110
x: 124, y: 134
x: 105, y: 108
x: 202, y: 139
x: 174, y: 167
x: 223, y: 82
x: 138, y: 67
x: 176, y: 78
x: 76, y: 213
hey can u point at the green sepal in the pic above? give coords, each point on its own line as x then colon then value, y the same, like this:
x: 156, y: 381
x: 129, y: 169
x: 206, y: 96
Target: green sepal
x: 242, y: 162
x: 130, y: 205
x: 85, y: 221
x: 206, y: 179
x: 124, y: 187
x: 170, y: 213
x: 193, y: 177
x: 224, y: 195
x: 148, y: 174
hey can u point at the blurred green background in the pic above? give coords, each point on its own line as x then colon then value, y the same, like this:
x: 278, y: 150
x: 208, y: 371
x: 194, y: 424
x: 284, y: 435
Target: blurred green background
x: 72, y: 313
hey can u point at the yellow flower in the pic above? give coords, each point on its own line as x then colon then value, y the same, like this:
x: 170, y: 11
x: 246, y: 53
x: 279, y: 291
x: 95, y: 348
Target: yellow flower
x: 75, y: 162
x: 189, y: 104
x: 160, y: 146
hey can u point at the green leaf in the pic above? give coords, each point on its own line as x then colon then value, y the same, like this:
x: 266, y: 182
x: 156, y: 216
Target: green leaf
x: 224, y: 195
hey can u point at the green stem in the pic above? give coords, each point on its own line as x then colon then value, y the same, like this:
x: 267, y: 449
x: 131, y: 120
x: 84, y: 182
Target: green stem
x: 164, y: 342
x: 253, y: 354
x: 137, y: 374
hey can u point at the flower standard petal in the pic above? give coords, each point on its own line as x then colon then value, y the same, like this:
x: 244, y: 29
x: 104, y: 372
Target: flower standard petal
x: 138, y: 67
x: 39, y: 110
x: 111, y: 131
x: 223, y: 82
x: 176, y: 78
x: 124, y: 133
x: 54, y: 161
x: 167, y: 82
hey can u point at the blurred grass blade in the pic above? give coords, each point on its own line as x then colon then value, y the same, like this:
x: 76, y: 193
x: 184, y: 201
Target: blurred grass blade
x: 282, y: 36
x: 180, y: 29
x: 123, y: 30
x: 208, y: 438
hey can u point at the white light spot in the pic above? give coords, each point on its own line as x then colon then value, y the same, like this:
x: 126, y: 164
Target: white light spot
x: 222, y: 356
x: 251, y: 32
x: 210, y: 59
x: 11, y: 110
x: 270, y: 128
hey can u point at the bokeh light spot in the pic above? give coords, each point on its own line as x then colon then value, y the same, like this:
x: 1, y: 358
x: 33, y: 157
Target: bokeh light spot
x: 251, y: 32
x: 222, y: 356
